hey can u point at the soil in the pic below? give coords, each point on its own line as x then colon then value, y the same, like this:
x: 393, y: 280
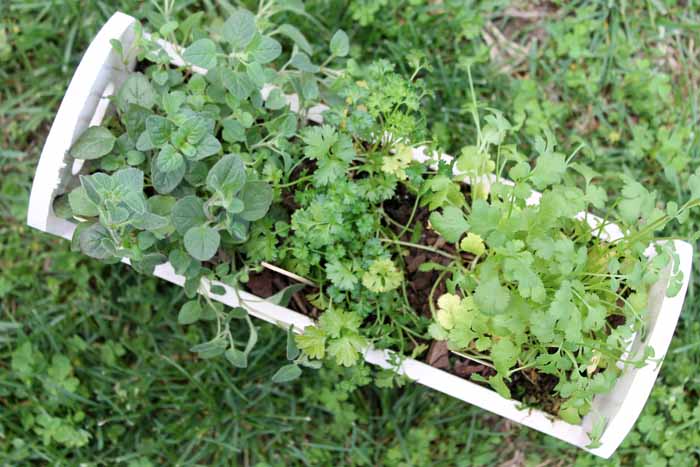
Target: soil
x: 420, y: 283
x: 267, y: 283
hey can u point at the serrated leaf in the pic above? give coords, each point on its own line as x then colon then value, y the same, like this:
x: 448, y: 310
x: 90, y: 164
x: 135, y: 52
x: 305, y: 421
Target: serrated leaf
x: 491, y: 297
x: 340, y: 275
x: 450, y: 223
x: 335, y: 320
x: 94, y: 143
x: 499, y: 386
x: 202, y: 242
x: 549, y: 170
x: 504, y: 354
x: 382, y: 276
x: 346, y: 350
x: 312, y: 342
x: 473, y: 244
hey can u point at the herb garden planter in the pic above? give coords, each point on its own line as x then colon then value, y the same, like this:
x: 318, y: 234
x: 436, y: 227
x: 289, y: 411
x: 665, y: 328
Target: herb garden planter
x: 86, y: 103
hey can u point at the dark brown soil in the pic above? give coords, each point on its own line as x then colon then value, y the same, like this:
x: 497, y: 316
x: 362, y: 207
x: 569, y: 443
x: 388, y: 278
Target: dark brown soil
x: 420, y: 283
x: 267, y: 283
x: 535, y: 389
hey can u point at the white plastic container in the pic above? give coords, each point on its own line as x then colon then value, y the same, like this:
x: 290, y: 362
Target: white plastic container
x: 101, y: 71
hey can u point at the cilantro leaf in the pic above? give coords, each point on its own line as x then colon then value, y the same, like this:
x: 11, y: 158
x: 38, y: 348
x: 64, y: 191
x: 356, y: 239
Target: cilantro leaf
x: 450, y: 223
x: 335, y: 321
x: 382, y: 276
x: 491, y: 297
x: 504, y: 354
x: 340, y: 275
x: 346, y: 350
x: 473, y: 244
x: 312, y: 342
x: 549, y: 170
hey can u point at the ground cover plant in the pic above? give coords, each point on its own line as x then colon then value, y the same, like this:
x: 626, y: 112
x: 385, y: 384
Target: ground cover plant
x: 529, y: 289
x: 666, y: 430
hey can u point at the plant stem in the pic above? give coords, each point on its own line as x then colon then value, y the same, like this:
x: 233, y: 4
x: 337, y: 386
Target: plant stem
x: 420, y: 247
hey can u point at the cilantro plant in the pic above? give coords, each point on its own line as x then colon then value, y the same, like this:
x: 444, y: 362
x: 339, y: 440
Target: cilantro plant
x: 549, y: 289
x: 215, y: 167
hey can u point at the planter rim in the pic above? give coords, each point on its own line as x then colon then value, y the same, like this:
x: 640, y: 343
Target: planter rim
x: 84, y: 105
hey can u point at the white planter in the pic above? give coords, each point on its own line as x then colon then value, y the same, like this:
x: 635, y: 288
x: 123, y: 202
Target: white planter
x: 101, y: 71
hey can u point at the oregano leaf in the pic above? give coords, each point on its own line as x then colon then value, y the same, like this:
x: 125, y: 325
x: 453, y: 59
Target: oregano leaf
x: 95, y: 142
x: 202, y: 242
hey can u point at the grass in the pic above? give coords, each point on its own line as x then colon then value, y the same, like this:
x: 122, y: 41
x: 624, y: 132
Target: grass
x: 93, y: 347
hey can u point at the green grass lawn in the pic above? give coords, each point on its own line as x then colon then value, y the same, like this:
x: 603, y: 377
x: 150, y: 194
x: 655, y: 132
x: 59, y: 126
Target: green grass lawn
x: 94, y: 368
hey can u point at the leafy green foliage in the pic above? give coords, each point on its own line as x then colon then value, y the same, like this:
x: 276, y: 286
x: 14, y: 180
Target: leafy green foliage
x: 93, y: 143
x: 545, y: 279
x: 539, y: 277
x: 641, y: 127
x: 338, y: 334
